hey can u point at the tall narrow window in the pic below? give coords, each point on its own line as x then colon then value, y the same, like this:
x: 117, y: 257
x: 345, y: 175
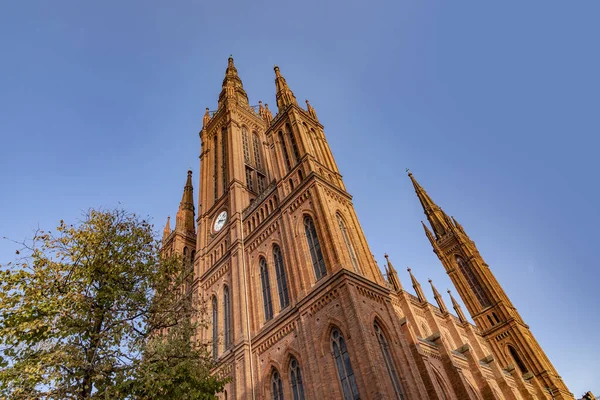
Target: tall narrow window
x: 227, y: 316
x: 276, y: 385
x: 266, y: 288
x: 515, y: 356
x: 348, y: 243
x: 286, y: 155
x: 389, y: 362
x: 249, y: 180
x: 469, y: 275
x: 296, y: 380
x: 282, y: 287
x: 216, y: 168
x: 344, y: 366
x: 224, y: 174
x: 293, y: 143
x: 261, y: 180
x: 314, y: 247
x: 215, y: 327
x: 256, y: 148
x: 245, y: 145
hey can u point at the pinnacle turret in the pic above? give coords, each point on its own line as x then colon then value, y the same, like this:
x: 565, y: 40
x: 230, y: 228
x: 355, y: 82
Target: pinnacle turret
x: 417, y: 286
x: 284, y: 94
x: 185, y: 215
x: 392, y: 275
x: 311, y: 111
x: 438, y: 298
x: 457, y: 308
x: 167, y: 230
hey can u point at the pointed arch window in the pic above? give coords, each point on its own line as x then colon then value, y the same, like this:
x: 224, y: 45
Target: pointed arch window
x: 224, y: 174
x: 266, y: 288
x: 441, y: 384
x: 286, y: 155
x: 227, y: 316
x: 314, y: 247
x: 282, y: 288
x: 256, y: 148
x: 515, y: 356
x: 473, y: 282
x: 245, y: 145
x: 296, y: 380
x: 293, y: 143
x: 276, y: 385
x: 216, y: 168
x: 215, y: 327
x: 389, y: 362
x: 343, y: 366
x: 347, y: 242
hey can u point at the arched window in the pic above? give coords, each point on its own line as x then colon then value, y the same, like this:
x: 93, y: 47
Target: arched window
x: 314, y: 247
x: 515, y: 356
x: 469, y: 275
x: 245, y: 145
x: 343, y: 366
x: 282, y: 288
x: 293, y: 143
x: 389, y: 362
x: 276, y: 385
x: 348, y: 243
x: 227, y: 316
x: 224, y: 159
x: 286, y: 155
x: 441, y: 384
x: 256, y: 147
x: 216, y: 168
x: 215, y: 327
x: 296, y: 380
x: 266, y: 288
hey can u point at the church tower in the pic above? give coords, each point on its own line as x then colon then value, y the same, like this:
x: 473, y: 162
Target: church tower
x: 298, y: 307
x: 491, y: 309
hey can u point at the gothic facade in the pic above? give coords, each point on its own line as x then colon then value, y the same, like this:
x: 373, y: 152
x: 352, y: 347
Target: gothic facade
x: 299, y: 307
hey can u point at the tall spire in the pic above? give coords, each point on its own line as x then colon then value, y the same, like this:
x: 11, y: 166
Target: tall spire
x: 392, y: 275
x: 284, y: 94
x: 233, y: 88
x: 437, y: 218
x: 456, y: 306
x: 185, y: 215
x: 438, y: 298
x: 417, y: 286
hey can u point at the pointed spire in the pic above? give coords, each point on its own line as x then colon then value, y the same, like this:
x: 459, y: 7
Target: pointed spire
x: 459, y: 226
x: 206, y: 118
x: 417, y: 286
x: 311, y: 111
x: 437, y: 218
x: 185, y: 215
x: 167, y: 230
x: 233, y: 88
x: 284, y: 94
x: 456, y: 306
x: 268, y: 115
x: 438, y: 298
x: 392, y: 274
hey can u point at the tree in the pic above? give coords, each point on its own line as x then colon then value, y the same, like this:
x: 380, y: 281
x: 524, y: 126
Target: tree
x: 95, y: 311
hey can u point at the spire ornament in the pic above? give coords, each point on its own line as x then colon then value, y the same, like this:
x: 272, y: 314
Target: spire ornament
x: 457, y: 308
x: 311, y: 111
x: 392, y: 274
x: 184, y: 221
x: 284, y: 94
x: 438, y: 298
x: 417, y: 286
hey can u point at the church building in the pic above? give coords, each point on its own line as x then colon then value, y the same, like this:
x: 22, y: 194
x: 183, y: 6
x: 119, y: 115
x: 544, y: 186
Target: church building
x: 299, y: 308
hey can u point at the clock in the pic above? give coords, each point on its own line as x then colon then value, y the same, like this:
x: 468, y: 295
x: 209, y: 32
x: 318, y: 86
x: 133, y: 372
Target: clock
x: 220, y: 221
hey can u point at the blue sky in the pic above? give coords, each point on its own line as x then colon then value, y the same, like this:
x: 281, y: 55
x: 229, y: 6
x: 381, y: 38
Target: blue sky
x: 493, y: 106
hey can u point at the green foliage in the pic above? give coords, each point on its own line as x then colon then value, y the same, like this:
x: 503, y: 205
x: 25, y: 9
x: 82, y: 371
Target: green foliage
x: 94, y: 311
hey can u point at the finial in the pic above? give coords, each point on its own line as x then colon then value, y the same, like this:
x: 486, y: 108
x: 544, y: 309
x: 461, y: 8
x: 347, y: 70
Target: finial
x: 386, y: 256
x: 408, y: 171
x: 408, y: 269
x: 429, y: 280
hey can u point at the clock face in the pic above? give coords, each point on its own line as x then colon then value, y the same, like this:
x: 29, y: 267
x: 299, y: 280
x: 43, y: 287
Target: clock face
x: 220, y: 221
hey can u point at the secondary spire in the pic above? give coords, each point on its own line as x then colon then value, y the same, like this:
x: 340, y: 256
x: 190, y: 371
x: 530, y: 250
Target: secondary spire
x: 392, y: 275
x: 456, y: 306
x: 185, y: 215
x: 417, y: 286
x: 233, y: 88
x: 438, y: 298
x: 436, y: 217
x: 284, y: 94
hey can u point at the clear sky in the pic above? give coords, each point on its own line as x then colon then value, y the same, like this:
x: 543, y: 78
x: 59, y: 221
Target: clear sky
x: 494, y: 106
